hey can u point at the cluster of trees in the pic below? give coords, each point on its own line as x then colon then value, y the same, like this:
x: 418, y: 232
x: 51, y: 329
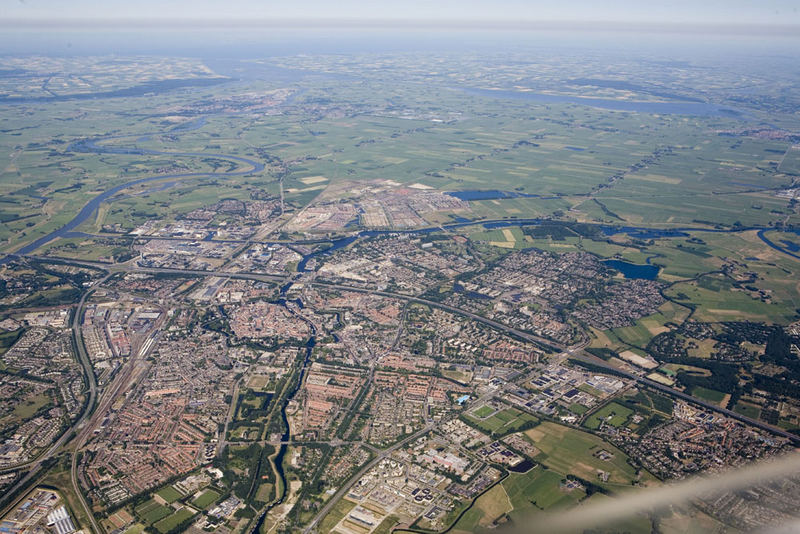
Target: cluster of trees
x: 245, y: 468
x: 724, y: 376
x: 558, y: 231
x: 45, y: 286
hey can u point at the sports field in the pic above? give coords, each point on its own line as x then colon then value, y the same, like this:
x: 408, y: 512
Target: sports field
x: 205, y: 499
x: 169, y: 494
x: 151, y: 511
x: 504, y: 422
x: 613, y: 414
x: 169, y: 523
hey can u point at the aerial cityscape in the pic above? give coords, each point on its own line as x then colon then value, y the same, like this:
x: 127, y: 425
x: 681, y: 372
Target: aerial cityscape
x: 398, y: 288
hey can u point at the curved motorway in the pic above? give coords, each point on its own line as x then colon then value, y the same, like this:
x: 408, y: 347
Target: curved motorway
x: 83, y: 358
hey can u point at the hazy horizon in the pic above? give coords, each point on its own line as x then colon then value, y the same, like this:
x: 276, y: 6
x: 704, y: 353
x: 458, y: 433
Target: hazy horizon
x: 581, y: 14
x: 254, y: 29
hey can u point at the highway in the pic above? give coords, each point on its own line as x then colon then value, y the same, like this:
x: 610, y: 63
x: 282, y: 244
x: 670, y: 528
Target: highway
x: 89, y: 370
x: 343, y: 287
x: 382, y: 454
x: 231, y: 413
x: 83, y: 358
x: 575, y: 352
x: 76, y: 434
x: 684, y: 396
x: 355, y: 478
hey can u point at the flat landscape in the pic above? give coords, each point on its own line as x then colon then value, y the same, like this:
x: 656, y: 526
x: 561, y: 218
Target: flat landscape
x: 374, y: 292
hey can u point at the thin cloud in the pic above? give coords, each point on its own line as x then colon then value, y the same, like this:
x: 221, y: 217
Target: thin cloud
x: 402, y: 24
x: 617, y: 509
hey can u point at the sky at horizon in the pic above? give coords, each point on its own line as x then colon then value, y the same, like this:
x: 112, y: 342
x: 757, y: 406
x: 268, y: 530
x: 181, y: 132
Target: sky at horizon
x: 694, y: 12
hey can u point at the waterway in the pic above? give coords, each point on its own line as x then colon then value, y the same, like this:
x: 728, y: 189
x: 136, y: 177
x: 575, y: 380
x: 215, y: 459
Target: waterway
x: 699, y: 109
x: 88, y: 211
x: 157, y: 86
x: 335, y: 245
x: 630, y: 270
x: 309, y: 347
x: 785, y: 250
x: 97, y: 146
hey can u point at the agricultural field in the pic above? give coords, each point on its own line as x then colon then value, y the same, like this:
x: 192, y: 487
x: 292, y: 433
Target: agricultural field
x: 612, y: 414
x: 521, y: 498
x: 716, y: 301
x: 338, y: 513
x: 790, y: 162
x: 708, y: 394
x: 540, y: 489
x: 503, y: 422
x: 488, y: 508
x: 363, y: 185
x: 550, y: 167
x: 567, y: 450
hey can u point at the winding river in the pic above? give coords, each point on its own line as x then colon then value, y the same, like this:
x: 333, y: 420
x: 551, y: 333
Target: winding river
x: 94, y: 146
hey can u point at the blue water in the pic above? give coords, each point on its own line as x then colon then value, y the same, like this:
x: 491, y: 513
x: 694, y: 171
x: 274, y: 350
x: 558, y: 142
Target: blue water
x: 523, y: 467
x: 278, y: 461
x: 791, y: 245
x: 575, y: 148
x: 767, y: 241
x: 92, y: 146
x: 700, y: 109
x: 335, y: 245
x: 190, y: 126
x: 285, y: 288
x: 156, y: 86
x: 633, y: 231
x: 633, y: 270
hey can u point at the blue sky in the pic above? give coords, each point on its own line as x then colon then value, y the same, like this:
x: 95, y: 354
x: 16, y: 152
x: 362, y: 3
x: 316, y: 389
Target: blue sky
x: 700, y: 12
